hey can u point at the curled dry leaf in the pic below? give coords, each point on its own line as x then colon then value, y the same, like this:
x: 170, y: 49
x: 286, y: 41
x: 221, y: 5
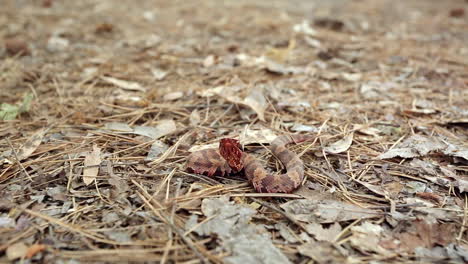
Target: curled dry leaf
x: 341, y: 145
x: 254, y: 100
x: 91, y: 165
x: 126, y: 85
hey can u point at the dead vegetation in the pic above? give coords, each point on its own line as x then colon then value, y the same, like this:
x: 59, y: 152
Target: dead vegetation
x: 102, y: 103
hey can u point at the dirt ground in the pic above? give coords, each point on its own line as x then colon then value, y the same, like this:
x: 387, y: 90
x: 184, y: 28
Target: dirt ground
x: 102, y: 102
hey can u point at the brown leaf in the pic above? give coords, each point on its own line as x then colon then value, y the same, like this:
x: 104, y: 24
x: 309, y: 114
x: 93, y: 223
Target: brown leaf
x: 91, y: 165
x: 15, y: 46
x: 31, y: 144
x: 34, y: 249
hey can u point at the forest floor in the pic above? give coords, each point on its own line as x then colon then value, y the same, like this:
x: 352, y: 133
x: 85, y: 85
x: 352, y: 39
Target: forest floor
x: 102, y: 102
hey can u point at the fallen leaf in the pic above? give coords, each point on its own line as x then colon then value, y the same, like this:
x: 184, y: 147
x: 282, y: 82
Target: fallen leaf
x: 304, y: 28
x: 232, y: 224
x: 202, y: 147
x: 31, y: 144
x: 326, y: 211
x: 426, y: 233
x: 57, y: 44
x: 341, y: 145
x: 34, y: 249
x: 377, y: 90
x: 414, y: 146
x: 303, y: 128
x: 126, y: 85
x: 322, y: 252
x: 10, y: 112
x: 209, y: 61
x: 366, y: 130
x: 278, y: 68
x: 163, y: 128
x: 367, y: 237
x: 7, y: 222
x: 352, y: 77
x: 116, y: 126
x: 256, y: 100
x: 324, y: 234
x: 456, y: 151
x: 158, y: 74
x: 257, y: 136
x: 15, y: 46
x: 156, y: 150
x: 16, y: 251
x: 287, y: 233
x: 91, y: 165
x: 173, y: 96
x: 194, y: 118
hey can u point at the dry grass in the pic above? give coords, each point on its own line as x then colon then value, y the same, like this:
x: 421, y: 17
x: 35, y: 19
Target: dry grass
x: 412, y: 55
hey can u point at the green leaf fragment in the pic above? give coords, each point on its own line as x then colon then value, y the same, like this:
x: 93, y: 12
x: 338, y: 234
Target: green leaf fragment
x: 10, y: 112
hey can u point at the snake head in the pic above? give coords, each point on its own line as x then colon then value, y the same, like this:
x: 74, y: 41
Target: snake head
x: 230, y: 150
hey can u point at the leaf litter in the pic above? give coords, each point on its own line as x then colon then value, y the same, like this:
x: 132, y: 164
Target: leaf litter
x: 386, y: 176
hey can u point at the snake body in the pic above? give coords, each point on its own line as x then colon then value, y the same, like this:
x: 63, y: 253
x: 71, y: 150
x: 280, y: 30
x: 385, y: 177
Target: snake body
x: 212, y: 162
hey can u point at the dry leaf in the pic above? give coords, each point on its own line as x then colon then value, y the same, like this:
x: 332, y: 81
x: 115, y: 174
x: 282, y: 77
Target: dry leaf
x: 163, y: 128
x: 326, y: 211
x: 16, y: 251
x: 324, y: 234
x: 194, y: 118
x: 156, y: 150
x: 321, y: 252
x: 209, y: 61
x: 34, y: 249
x: 173, y: 96
x: 367, y: 236
x: 341, y: 145
x: 116, y: 126
x: 304, y: 28
x: 126, y: 85
x: 91, y: 165
x: 31, y: 144
x: 231, y: 223
x: 202, y: 147
x: 257, y: 136
x: 159, y: 74
x: 414, y: 146
x: 256, y: 100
